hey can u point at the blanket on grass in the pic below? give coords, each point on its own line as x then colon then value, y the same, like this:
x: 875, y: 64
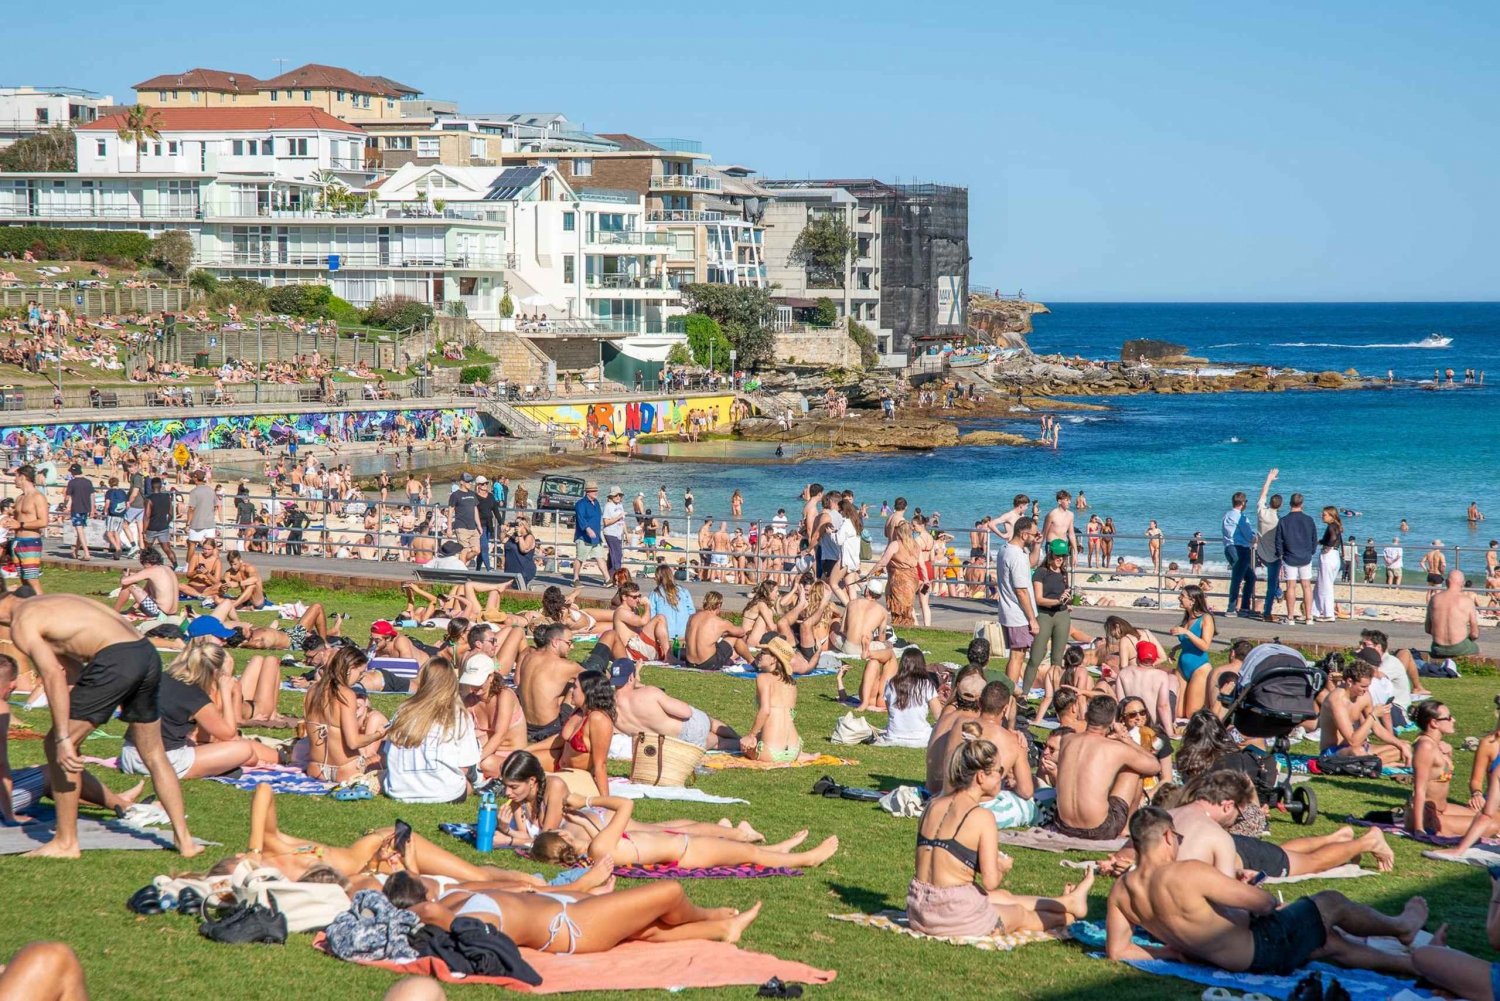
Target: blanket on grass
x: 653, y: 966
x: 1396, y: 830
x: 631, y: 790
x: 93, y: 835
x: 283, y: 780
x: 1047, y: 840
x: 996, y: 941
x: 1297, y: 763
x: 718, y: 762
x: 746, y: 871
x: 1482, y: 858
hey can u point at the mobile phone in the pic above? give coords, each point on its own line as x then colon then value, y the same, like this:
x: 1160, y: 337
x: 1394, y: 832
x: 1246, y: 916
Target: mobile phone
x: 1257, y: 879
x: 401, y: 837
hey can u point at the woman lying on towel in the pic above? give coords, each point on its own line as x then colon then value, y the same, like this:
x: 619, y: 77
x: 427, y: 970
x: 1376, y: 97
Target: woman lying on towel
x: 568, y: 923
x: 463, y: 600
x: 611, y: 836
x: 540, y: 802
x: 956, y: 841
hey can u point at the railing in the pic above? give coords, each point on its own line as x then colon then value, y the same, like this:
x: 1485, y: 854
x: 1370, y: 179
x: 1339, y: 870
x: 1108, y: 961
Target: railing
x: 677, y: 145
x: 636, y: 326
x: 97, y: 301
x: 629, y: 236
x: 994, y: 293
x: 44, y: 211
x: 684, y: 215
x: 643, y: 282
x: 319, y: 259
x: 689, y: 182
x: 798, y: 327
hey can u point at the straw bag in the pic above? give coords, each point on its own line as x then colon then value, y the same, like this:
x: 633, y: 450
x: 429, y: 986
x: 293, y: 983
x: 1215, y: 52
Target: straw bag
x: 990, y: 630
x: 659, y: 760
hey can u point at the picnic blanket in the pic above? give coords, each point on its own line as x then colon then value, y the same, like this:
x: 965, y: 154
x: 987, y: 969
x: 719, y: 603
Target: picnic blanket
x: 93, y: 835
x: 1483, y: 858
x: 718, y: 762
x: 1297, y: 765
x: 743, y: 673
x: 1047, y: 840
x: 631, y: 790
x: 997, y: 941
x: 648, y: 966
x: 747, y: 870
x: 283, y: 780
x: 1396, y: 830
x: 1362, y: 985
x: 1350, y: 870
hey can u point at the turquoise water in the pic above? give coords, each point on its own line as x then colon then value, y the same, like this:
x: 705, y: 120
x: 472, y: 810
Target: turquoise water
x: 1407, y: 452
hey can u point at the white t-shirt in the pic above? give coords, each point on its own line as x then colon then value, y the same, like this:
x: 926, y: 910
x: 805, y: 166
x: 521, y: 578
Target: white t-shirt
x: 1395, y: 676
x: 910, y: 725
x: 446, y: 563
x: 1392, y: 556
x: 1014, y: 578
x: 614, y: 509
x: 828, y: 545
x: 435, y: 770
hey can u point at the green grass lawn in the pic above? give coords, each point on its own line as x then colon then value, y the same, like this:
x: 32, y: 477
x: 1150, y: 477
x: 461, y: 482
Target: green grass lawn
x: 129, y: 957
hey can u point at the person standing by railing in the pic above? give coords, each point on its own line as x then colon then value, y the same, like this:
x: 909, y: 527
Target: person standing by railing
x: 1239, y: 535
x: 489, y: 522
x: 1267, y: 515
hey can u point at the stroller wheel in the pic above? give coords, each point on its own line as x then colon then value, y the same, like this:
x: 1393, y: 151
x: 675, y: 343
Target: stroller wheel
x: 1304, y: 805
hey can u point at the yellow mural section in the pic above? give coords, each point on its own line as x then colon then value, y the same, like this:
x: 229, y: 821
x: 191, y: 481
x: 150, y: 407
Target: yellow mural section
x: 623, y: 417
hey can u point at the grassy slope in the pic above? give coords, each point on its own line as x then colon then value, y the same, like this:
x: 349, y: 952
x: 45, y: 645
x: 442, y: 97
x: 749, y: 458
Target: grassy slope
x: 150, y: 958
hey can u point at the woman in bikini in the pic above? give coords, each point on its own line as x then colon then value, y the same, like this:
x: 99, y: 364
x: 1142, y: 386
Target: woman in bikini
x: 1092, y: 531
x: 926, y: 572
x: 563, y: 609
x: 499, y: 721
x: 813, y: 624
x: 1432, y: 770
x: 759, y: 616
x: 583, y: 742
x: 1122, y: 638
x: 774, y: 736
x: 336, y: 747
x: 568, y: 848
x: 1107, y: 542
x: 956, y: 842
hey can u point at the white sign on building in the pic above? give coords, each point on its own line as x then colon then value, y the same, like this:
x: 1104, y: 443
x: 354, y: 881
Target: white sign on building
x: 949, y: 300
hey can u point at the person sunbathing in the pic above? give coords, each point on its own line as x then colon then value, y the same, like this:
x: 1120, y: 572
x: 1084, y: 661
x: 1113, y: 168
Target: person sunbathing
x: 567, y: 923
x: 247, y: 580
x: 582, y: 745
x: 150, y: 592
x: 1458, y: 973
x: 571, y: 847
x: 562, y: 608
x: 547, y: 675
x: 336, y: 740
x: 1204, y: 916
x: 1429, y: 811
x: 237, y: 632
x: 1204, y: 810
x: 711, y: 642
x: 633, y: 632
x: 642, y: 708
x: 956, y: 842
x: 499, y: 723
x: 774, y: 735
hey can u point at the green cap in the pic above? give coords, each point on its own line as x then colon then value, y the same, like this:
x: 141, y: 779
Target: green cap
x: 1058, y: 547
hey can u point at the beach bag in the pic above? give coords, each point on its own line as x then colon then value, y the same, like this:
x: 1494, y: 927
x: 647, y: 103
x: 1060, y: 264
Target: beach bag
x: 990, y: 630
x: 902, y: 801
x: 852, y: 729
x: 306, y: 906
x: 659, y: 760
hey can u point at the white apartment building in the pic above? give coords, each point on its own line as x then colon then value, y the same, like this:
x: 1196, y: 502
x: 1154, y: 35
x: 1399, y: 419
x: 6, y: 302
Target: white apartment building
x: 25, y: 111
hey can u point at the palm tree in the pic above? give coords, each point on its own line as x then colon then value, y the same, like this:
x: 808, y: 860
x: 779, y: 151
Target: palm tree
x: 139, y: 124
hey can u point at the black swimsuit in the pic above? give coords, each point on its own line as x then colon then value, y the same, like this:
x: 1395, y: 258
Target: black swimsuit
x: 968, y: 856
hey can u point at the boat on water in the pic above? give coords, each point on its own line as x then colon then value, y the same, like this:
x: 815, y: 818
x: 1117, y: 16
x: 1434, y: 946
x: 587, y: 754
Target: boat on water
x: 1435, y: 341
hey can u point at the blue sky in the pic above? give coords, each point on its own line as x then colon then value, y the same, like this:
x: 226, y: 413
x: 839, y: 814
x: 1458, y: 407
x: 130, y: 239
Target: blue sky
x: 1160, y: 151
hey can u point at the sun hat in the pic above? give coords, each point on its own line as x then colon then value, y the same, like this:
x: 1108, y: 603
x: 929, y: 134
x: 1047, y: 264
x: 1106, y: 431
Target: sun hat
x: 477, y: 670
x: 780, y: 648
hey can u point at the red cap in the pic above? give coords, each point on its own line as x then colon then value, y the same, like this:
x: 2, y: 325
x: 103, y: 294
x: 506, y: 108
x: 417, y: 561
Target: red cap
x: 383, y: 627
x: 1146, y: 652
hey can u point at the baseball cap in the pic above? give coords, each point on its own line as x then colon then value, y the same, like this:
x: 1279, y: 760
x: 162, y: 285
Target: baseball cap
x: 383, y: 627
x: 621, y: 671
x: 207, y: 625
x: 1146, y: 652
x: 477, y: 669
x: 1058, y: 547
x: 481, y: 479
x: 467, y: 478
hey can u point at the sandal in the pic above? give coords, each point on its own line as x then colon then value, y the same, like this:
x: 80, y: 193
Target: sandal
x: 825, y: 786
x: 778, y: 988
x: 349, y: 793
x: 146, y: 900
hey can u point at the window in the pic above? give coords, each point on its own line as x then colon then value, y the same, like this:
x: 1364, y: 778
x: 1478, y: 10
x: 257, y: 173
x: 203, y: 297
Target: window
x: 274, y: 95
x: 476, y: 149
x: 366, y: 102
x: 99, y: 147
x: 427, y: 146
x: 583, y: 167
x: 570, y: 269
x: 398, y: 142
x: 289, y: 93
x: 172, y: 148
x: 237, y: 147
x: 389, y: 103
x: 161, y: 95
x: 193, y: 94
x: 266, y: 147
x: 307, y: 95
x: 156, y: 149
x: 570, y: 222
x: 340, y: 95
x: 41, y: 116
x: 174, y: 95
x: 296, y: 147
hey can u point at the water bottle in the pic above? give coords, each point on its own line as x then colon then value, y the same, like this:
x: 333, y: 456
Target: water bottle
x: 484, y: 828
x: 676, y: 647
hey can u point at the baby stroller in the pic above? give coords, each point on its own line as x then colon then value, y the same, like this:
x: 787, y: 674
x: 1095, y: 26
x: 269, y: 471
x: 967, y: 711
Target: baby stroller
x: 1273, y: 694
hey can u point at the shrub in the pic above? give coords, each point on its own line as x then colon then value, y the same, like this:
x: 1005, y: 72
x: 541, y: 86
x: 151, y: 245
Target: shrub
x: 679, y: 355
x: 471, y: 375
x: 300, y: 300
x: 706, y: 341
x: 398, y: 312
x: 860, y: 335
x: 826, y: 314
x: 204, y: 281
x: 173, y: 252
x: 343, y: 312
x: 507, y: 306
x: 244, y: 292
x: 76, y: 244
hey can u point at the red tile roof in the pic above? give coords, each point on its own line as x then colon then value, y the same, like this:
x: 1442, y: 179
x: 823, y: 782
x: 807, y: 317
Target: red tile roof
x: 316, y: 75
x: 202, y: 79
x: 230, y: 120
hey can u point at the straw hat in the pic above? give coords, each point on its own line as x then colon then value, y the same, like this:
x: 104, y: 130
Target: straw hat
x: 781, y: 649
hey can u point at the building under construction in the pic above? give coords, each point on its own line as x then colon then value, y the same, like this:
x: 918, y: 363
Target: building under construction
x: 923, y: 275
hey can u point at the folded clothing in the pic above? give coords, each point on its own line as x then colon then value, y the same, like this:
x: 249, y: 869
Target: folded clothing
x: 283, y: 780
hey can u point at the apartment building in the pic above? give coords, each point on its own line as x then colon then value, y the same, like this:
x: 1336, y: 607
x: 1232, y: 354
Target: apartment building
x: 25, y: 111
x: 333, y: 90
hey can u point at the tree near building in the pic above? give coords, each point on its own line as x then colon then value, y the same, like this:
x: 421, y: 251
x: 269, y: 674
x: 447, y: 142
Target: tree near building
x: 823, y: 248
x: 706, y: 340
x: 52, y: 150
x: 743, y: 314
x: 138, y: 126
x: 826, y: 313
x: 173, y: 252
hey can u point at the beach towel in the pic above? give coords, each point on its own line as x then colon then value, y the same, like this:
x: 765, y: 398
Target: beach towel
x: 283, y: 780
x: 1483, y: 858
x: 630, y: 790
x: 743, y: 673
x: 1396, y: 830
x: 1297, y: 764
x: 746, y: 870
x: 997, y: 941
x: 1349, y: 870
x: 1046, y: 840
x: 93, y: 835
x: 649, y: 966
x: 718, y: 762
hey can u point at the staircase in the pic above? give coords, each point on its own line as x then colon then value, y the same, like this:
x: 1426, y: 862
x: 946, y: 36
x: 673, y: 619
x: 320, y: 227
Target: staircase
x: 773, y: 405
x: 514, y: 422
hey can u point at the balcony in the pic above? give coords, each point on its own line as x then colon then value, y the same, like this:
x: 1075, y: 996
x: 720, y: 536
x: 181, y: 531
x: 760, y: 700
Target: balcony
x: 274, y: 258
x: 629, y: 237
x: 677, y: 145
x: 635, y: 326
x: 618, y: 282
x: 687, y: 182
x: 683, y: 215
x: 98, y: 212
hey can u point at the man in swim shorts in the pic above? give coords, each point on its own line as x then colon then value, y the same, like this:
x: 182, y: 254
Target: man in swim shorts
x: 710, y: 643
x: 547, y: 675
x: 642, y: 708
x: 1099, y: 773
x: 1453, y: 619
x: 1349, y: 718
x: 115, y: 668
x: 152, y: 588
x: 27, y: 521
x: 1203, y: 915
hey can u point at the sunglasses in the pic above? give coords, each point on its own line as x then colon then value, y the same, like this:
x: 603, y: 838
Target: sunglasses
x: 1138, y: 714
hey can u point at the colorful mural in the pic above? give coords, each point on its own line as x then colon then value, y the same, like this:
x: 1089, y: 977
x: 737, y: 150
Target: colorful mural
x: 630, y: 416
x: 205, y: 433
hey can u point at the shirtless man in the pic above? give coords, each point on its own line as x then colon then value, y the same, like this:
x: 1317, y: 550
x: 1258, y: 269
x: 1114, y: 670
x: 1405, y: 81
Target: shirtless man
x: 1435, y: 563
x: 641, y: 708
x: 1099, y: 773
x: 544, y: 677
x: 813, y: 498
x: 1003, y: 524
x: 633, y: 633
x: 706, y: 548
x: 152, y: 589
x: 1210, y: 806
x: 1059, y: 525
x: 1348, y: 718
x: 720, y: 558
x: 1014, y: 805
x: 710, y: 643
x: 864, y: 636
x: 947, y: 732
x: 313, y: 622
x: 1205, y: 916
x: 27, y: 521
x: 205, y: 572
x: 1453, y: 620
x: 1146, y: 680
x: 91, y: 662
x: 246, y: 579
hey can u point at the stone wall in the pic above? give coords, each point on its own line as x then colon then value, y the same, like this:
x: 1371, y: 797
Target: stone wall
x: 823, y: 348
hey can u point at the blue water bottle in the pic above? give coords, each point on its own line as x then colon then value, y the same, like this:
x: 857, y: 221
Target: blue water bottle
x: 484, y: 829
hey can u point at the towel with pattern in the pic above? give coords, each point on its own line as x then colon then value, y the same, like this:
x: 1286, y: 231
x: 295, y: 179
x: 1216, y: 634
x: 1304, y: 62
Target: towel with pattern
x: 1297, y: 763
x: 748, y: 870
x: 718, y: 762
x: 283, y: 780
x: 996, y: 941
x: 1047, y: 840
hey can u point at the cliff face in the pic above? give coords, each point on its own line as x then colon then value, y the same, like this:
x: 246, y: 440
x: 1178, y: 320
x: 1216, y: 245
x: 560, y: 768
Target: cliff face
x: 1003, y: 322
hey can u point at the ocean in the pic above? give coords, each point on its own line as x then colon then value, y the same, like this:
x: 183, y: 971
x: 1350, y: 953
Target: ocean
x: 1406, y: 452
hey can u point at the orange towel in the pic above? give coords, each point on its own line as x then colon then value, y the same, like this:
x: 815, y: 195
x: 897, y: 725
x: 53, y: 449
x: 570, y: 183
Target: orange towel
x: 635, y: 966
x: 718, y: 762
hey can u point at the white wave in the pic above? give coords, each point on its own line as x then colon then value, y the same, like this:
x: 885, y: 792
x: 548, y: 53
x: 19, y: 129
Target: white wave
x: 1232, y: 441
x: 1330, y: 344
x: 1231, y: 344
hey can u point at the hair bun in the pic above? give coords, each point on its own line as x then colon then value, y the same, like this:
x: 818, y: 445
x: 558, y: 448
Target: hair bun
x: 971, y: 730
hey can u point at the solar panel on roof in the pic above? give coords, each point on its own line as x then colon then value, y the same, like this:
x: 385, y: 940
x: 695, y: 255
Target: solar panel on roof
x: 513, y: 182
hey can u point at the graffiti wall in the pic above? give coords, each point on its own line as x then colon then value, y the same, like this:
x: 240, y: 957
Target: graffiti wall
x: 205, y: 433
x: 630, y: 416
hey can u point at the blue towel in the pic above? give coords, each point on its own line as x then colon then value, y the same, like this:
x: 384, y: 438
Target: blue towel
x: 283, y: 783
x: 1362, y: 985
x: 817, y: 672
